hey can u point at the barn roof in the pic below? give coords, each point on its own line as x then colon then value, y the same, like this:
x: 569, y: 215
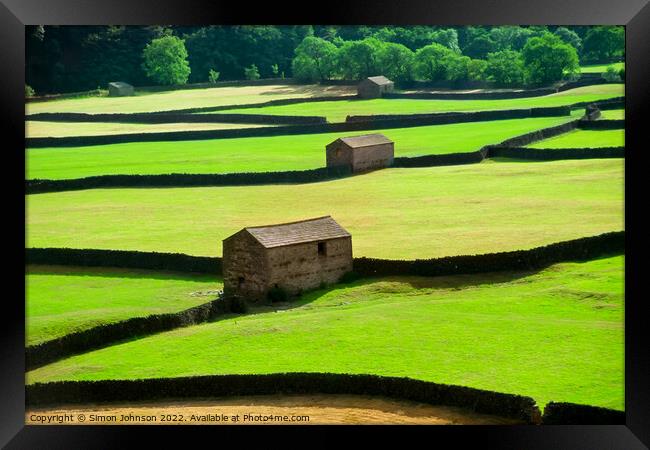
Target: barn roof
x: 365, y: 140
x: 310, y: 230
x: 379, y: 80
x: 119, y: 84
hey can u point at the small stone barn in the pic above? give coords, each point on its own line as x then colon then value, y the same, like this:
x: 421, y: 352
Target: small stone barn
x: 119, y: 89
x: 374, y: 87
x: 361, y: 153
x: 295, y: 256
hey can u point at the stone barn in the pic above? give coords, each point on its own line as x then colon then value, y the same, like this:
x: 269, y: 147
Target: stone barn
x: 295, y: 257
x: 119, y: 89
x: 361, y: 153
x: 374, y: 87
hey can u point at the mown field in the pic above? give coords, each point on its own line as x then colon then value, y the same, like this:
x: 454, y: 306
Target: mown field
x: 64, y: 300
x: 584, y: 138
x: 336, y: 111
x: 392, y: 213
x: 613, y: 114
x: 553, y: 335
x: 601, y: 68
x: 186, y: 98
x: 35, y: 128
x: 262, y: 154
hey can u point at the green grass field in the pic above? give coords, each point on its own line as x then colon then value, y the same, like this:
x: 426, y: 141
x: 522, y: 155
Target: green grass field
x: 63, y: 300
x: 554, y: 335
x: 601, y: 68
x: 187, y: 98
x: 584, y: 138
x: 613, y: 114
x: 336, y: 111
x: 35, y: 129
x: 262, y: 154
x: 392, y: 213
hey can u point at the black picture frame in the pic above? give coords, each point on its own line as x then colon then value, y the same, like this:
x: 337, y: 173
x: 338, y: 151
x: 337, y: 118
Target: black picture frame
x: 634, y: 14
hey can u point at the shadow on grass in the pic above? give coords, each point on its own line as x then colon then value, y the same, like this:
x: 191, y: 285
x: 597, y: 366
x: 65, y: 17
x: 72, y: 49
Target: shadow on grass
x: 450, y: 282
x: 114, y: 272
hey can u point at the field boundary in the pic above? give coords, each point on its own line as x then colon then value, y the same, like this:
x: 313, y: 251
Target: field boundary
x: 149, y: 118
x: 506, y: 148
x: 100, y: 336
x: 554, y: 154
x: 562, y: 413
x: 477, y: 400
x: 108, y: 334
x: 386, y: 122
x: 590, y: 247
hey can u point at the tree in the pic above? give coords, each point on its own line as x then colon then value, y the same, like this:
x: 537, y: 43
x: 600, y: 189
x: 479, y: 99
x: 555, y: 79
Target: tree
x: 547, y: 59
x: 448, y: 38
x: 315, y: 59
x: 604, y: 44
x: 510, y: 37
x: 429, y: 62
x: 457, y: 67
x: 396, y: 61
x: 165, y: 60
x: 213, y: 76
x: 505, y: 68
x: 569, y: 37
x: 476, y: 70
x: 360, y: 59
x: 251, y: 73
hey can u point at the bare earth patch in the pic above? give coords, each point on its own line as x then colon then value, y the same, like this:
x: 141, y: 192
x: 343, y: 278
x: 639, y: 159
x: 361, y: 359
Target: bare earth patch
x: 270, y: 410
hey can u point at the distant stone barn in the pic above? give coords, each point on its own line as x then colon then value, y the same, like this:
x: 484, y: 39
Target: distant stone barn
x: 295, y: 256
x: 361, y: 153
x: 119, y: 89
x: 374, y: 87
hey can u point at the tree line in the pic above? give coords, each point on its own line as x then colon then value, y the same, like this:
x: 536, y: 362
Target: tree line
x: 77, y: 58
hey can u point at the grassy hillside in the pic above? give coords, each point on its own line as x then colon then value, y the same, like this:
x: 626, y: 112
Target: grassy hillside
x: 584, y: 138
x: 63, y: 300
x: 262, y: 154
x: 338, y: 110
x: 613, y: 114
x: 392, y: 213
x: 63, y: 129
x: 554, y: 335
x: 601, y: 68
x: 188, y: 98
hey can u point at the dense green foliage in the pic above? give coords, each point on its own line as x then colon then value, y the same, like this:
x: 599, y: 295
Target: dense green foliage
x: 553, y: 335
x: 165, y: 61
x: 505, y: 68
x: 548, y: 58
x: 79, y: 58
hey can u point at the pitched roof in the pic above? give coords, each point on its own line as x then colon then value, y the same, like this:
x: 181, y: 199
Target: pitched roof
x: 365, y: 140
x: 119, y: 84
x: 380, y: 80
x: 310, y: 230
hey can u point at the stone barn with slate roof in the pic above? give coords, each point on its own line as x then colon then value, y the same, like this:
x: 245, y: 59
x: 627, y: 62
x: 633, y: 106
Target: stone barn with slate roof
x: 295, y: 257
x: 119, y: 89
x: 361, y: 153
x: 374, y: 87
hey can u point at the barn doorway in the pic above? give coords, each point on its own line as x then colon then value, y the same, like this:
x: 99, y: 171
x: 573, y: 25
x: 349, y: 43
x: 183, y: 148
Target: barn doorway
x: 240, y: 282
x: 322, y: 248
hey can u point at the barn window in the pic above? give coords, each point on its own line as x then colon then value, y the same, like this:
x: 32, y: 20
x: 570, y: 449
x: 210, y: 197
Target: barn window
x: 337, y: 153
x: 322, y: 248
x: 240, y: 281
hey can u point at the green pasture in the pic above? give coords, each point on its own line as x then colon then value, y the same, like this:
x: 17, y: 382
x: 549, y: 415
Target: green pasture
x: 584, y: 138
x: 186, y: 98
x: 553, y: 335
x: 64, y: 300
x: 263, y: 154
x: 391, y: 213
x: 336, y: 111
x: 601, y: 68
x: 613, y: 114
x: 34, y: 129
